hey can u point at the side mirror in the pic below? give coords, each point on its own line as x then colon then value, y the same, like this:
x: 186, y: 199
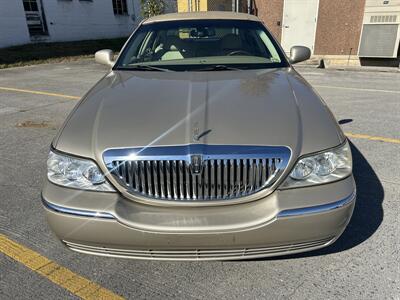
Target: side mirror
x: 299, y: 54
x: 105, y: 57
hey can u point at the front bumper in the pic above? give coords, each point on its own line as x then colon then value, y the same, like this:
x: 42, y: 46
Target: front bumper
x: 285, y: 222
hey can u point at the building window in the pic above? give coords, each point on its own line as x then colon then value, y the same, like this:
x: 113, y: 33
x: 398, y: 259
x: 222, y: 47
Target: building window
x: 120, y: 7
x: 34, y: 18
x: 30, y: 5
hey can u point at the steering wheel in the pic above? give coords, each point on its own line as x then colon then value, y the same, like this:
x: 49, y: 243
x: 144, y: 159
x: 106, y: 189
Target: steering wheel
x: 237, y: 52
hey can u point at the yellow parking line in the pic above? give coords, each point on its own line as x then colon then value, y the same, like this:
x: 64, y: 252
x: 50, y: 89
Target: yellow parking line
x: 373, y: 138
x: 8, y: 89
x: 61, y: 276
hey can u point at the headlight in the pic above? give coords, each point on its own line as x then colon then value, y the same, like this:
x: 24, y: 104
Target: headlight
x: 76, y: 173
x: 324, y: 167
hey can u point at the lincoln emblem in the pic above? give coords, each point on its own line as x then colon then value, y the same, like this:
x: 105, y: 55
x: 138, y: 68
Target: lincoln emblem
x: 196, y: 164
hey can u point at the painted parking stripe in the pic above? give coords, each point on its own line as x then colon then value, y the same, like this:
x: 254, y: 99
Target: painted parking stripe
x: 351, y: 135
x: 74, y: 283
x: 372, y: 138
x: 355, y: 89
x: 8, y: 89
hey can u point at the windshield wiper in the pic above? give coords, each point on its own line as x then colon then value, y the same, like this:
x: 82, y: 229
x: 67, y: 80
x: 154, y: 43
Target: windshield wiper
x: 144, y: 68
x: 219, y: 68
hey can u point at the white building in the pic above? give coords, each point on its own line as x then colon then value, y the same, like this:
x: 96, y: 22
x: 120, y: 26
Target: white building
x: 25, y: 21
x: 13, y: 27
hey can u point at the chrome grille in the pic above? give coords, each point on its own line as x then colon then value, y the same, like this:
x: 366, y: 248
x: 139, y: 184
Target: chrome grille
x: 172, y: 175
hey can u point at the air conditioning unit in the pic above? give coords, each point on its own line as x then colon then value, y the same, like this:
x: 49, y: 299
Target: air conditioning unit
x: 380, y: 35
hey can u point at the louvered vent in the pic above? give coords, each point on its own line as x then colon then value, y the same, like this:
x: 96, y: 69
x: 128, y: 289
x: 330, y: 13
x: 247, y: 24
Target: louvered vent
x: 383, y: 19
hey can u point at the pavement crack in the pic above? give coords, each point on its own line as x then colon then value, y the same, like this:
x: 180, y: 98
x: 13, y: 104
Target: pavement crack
x: 295, y: 290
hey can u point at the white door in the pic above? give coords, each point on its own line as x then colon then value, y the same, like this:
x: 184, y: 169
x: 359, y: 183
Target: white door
x: 299, y: 23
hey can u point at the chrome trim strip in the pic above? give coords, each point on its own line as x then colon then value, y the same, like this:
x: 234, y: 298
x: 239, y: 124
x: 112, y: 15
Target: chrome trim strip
x: 77, y: 212
x: 317, y: 209
x: 207, y: 151
x: 201, y: 254
x: 283, y: 214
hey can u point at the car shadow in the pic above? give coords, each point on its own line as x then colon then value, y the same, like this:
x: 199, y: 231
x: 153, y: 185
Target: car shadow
x: 367, y: 215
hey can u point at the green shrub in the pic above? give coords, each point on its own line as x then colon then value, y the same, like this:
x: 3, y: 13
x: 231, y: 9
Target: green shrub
x: 152, y: 8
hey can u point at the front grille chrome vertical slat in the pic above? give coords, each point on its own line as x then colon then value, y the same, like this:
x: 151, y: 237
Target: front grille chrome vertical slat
x: 257, y: 174
x: 212, y: 177
x: 181, y: 179
x: 245, y: 175
x: 187, y: 181
x: 225, y: 181
x: 271, y: 167
x: 221, y: 177
x: 251, y: 176
x: 231, y: 178
x: 238, y: 177
x: 156, y: 180
x: 128, y: 165
x: 264, y: 170
x: 149, y: 178
x: 162, y: 179
x: 122, y: 170
x: 200, y: 184
x: 175, y: 180
x: 169, y: 182
x: 135, y: 175
x: 206, y: 180
x: 194, y: 186
x: 142, y: 176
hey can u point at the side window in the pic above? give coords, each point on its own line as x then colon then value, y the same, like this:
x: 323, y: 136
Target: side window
x: 271, y: 49
x: 131, y: 55
x: 146, y: 50
x: 120, y: 7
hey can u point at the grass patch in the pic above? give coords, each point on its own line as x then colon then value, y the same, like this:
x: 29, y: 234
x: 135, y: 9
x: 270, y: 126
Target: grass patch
x: 32, y: 54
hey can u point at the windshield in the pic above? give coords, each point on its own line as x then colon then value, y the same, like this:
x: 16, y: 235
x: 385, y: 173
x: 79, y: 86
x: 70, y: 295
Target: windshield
x: 201, y: 44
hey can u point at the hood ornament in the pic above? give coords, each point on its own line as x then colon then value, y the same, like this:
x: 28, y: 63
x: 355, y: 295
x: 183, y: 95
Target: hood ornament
x: 197, y: 135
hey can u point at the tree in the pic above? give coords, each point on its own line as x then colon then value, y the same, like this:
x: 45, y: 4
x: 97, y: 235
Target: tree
x: 152, y: 7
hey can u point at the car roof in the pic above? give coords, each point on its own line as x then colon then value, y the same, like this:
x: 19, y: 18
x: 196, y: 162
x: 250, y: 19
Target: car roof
x: 209, y: 15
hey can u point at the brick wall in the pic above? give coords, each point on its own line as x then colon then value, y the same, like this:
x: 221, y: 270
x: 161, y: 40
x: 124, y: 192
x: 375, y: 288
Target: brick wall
x: 339, y: 27
x: 271, y: 12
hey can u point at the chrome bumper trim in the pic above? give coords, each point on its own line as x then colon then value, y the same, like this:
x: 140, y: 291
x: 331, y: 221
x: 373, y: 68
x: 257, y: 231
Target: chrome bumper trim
x: 77, y: 212
x: 200, y: 254
x: 283, y: 214
x: 317, y: 209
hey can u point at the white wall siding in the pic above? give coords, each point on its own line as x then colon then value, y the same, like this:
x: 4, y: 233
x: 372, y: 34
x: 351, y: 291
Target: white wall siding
x: 13, y: 27
x: 81, y: 20
x: 71, y: 20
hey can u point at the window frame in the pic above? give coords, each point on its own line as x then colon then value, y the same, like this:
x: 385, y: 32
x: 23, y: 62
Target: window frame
x: 120, y: 7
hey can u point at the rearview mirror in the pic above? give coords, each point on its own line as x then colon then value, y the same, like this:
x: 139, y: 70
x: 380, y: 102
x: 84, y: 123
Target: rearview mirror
x: 105, y: 57
x: 299, y: 54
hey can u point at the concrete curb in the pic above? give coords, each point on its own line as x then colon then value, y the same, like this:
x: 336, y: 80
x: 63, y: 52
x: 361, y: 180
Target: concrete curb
x: 352, y: 69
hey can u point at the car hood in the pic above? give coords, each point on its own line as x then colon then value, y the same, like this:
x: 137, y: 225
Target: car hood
x: 258, y: 107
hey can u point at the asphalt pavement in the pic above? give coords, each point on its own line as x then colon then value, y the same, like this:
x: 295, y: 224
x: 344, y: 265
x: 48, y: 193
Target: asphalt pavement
x: 363, y: 264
